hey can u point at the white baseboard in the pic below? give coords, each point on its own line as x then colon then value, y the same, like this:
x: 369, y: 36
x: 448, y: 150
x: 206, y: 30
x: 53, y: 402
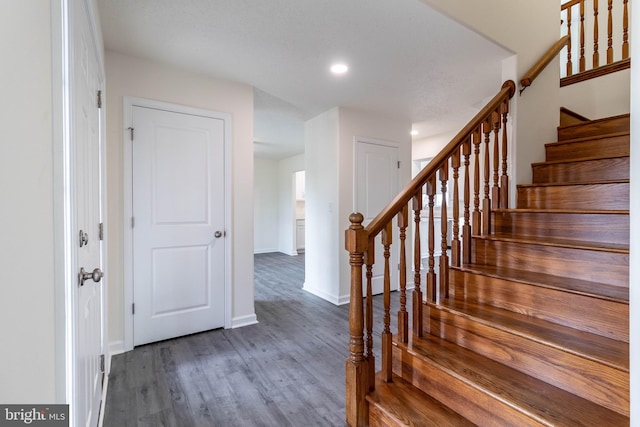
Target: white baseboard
x: 264, y: 251
x: 249, y: 319
x: 116, y: 347
x: 333, y: 299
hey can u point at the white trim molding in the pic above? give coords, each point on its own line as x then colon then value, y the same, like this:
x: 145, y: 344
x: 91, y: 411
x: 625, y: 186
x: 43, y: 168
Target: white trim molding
x: 239, y: 322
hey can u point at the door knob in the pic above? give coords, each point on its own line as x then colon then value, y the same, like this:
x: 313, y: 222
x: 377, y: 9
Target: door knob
x: 96, y: 275
x: 218, y: 234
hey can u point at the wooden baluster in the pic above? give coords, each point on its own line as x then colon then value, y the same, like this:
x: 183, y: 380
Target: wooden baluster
x: 625, y: 30
x: 582, y: 60
x: 486, y: 202
x: 369, y: 260
x: 443, y: 291
x: 431, y: 274
x: 504, y: 179
x: 403, y: 316
x: 610, y: 32
x: 386, y: 332
x: 356, y: 367
x: 417, y: 266
x: 596, y: 55
x: 569, y: 63
x: 455, y: 239
x: 466, y: 227
x: 495, y: 191
x: 477, y: 217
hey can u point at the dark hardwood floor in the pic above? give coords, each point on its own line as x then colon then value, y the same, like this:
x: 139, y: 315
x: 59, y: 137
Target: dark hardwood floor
x: 288, y: 370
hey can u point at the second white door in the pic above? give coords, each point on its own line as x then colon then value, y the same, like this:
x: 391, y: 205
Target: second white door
x: 377, y: 170
x: 178, y: 224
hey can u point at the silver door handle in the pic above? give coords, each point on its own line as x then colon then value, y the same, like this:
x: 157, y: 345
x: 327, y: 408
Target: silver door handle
x: 96, y: 275
x: 218, y: 234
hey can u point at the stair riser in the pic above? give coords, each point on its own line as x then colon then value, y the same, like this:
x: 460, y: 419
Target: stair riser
x: 597, y: 147
x: 612, y: 196
x: 603, y: 228
x: 470, y: 402
x: 590, y: 380
x: 586, y: 313
x: 589, y: 170
x: 595, y: 266
x: 599, y: 127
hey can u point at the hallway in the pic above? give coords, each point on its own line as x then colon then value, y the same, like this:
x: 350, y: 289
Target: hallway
x: 288, y: 370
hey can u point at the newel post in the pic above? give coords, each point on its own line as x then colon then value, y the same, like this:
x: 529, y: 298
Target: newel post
x: 356, y: 243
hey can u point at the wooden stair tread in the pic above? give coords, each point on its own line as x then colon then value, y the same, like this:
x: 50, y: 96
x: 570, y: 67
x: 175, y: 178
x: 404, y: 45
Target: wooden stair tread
x: 587, y: 138
x: 589, y: 346
x: 406, y: 405
x: 562, y: 211
x: 568, y: 284
x: 581, y: 159
x: 556, y: 242
x: 573, y: 184
x: 594, y: 121
x: 544, y: 403
x: 573, y: 116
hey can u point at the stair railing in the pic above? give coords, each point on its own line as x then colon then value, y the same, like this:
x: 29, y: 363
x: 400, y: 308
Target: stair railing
x: 581, y: 22
x: 483, y: 141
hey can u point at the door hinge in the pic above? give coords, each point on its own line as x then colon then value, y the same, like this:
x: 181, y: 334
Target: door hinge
x: 133, y: 308
x: 99, y: 99
x: 398, y: 164
x: 101, y: 231
x: 102, y: 363
x: 133, y: 222
x: 130, y: 129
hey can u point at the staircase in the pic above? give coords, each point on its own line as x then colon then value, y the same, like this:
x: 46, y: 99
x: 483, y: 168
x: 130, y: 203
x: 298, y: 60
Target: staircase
x: 535, y: 327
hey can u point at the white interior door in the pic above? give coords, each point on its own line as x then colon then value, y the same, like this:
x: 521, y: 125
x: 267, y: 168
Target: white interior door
x: 178, y: 224
x: 86, y: 83
x: 377, y: 170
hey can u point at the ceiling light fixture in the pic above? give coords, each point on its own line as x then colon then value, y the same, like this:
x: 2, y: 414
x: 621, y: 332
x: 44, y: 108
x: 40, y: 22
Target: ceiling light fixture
x: 339, y: 68
x: 414, y: 132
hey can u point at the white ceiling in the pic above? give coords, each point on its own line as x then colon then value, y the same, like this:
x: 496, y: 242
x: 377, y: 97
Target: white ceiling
x: 406, y: 60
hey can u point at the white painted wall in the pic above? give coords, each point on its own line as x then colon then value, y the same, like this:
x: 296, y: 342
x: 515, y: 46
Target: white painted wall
x: 27, y: 246
x: 286, y: 212
x: 129, y: 76
x: 329, y: 156
x: 528, y: 29
x: 265, y: 205
x: 323, y: 237
x: 601, y: 97
x: 425, y: 148
x: 353, y: 123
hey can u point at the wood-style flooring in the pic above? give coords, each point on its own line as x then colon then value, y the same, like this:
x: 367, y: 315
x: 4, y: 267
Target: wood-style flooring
x: 288, y: 370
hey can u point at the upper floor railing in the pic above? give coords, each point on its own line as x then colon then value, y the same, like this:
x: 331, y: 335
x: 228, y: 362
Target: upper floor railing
x: 598, y: 39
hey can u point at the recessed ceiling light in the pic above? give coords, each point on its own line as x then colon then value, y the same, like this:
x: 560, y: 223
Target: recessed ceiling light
x: 339, y: 68
x: 414, y: 132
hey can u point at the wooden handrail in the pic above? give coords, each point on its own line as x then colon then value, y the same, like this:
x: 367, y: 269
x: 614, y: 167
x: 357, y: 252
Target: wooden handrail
x: 392, y: 209
x: 569, y: 4
x: 537, y: 68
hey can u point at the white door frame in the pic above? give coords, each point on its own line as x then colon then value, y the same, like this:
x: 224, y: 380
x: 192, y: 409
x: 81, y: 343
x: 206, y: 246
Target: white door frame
x: 128, y: 104
x: 357, y: 141
x: 65, y: 276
